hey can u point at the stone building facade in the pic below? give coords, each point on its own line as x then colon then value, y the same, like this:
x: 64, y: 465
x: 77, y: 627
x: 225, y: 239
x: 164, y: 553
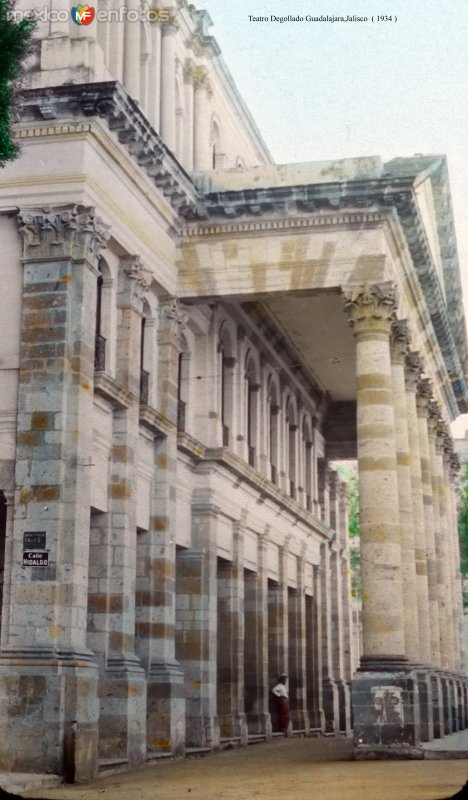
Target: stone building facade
x: 191, y: 337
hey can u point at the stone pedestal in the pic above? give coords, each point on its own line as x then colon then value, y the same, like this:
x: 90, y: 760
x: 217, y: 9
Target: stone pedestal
x: 386, y: 709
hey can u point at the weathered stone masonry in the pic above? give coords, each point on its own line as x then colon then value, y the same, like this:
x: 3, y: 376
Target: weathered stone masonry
x: 179, y: 379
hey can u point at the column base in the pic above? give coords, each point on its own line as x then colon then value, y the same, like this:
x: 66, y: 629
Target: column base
x: 233, y: 726
x: 122, y: 723
x: 259, y: 724
x: 331, y: 705
x: 344, y: 705
x: 300, y: 720
x: 202, y: 731
x: 386, y: 708
x: 166, y: 708
x: 49, y: 711
x: 426, y: 704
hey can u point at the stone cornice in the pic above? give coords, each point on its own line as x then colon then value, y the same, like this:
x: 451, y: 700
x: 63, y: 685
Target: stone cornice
x: 291, y: 222
x: 112, y: 391
x: 110, y: 102
x: 156, y: 422
x: 225, y: 458
x: 368, y: 202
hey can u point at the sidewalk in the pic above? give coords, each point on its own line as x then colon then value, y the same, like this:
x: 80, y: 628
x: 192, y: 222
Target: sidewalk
x: 282, y: 769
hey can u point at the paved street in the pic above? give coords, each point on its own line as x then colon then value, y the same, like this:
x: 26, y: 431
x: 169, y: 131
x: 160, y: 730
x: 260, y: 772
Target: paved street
x: 283, y: 769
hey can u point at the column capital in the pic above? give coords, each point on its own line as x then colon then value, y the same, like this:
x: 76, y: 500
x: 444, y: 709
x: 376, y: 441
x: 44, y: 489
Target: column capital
x: 413, y: 370
x: 371, y: 307
x: 173, y: 318
x: 400, y: 340
x: 171, y: 26
x: 455, y: 465
x: 200, y: 79
x: 134, y: 282
x: 433, y: 417
x: 62, y: 232
x: 423, y: 396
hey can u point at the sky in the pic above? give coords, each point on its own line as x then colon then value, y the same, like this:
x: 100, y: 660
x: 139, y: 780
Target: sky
x: 326, y: 90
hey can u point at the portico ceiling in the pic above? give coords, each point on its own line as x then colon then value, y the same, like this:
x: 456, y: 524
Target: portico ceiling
x: 317, y: 328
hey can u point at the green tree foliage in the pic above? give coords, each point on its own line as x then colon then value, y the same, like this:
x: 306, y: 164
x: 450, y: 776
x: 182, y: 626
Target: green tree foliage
x: 15, y: 39
x: 463, y: 526
x: 353, y: 529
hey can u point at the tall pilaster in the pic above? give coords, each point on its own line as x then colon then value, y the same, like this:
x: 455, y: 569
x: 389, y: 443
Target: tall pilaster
x: 201, y: 113
x: 384, y: 711
x: 230, y: 661
x: 400, y: 344
x: 168, y: 85
x: 297, y: 650
x: 122, y: 725
x: 278, y: 627
x: 330, y: 698
x: 197, y: 629
x: 256, y: 690
x: 46, y: 671
x: 413, y: 370
x: 156, y: 580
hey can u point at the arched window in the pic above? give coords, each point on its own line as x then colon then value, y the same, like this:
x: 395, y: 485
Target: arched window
x: 291, y: 438
x: 273, y: 429
x: 180, y: 122
x: 227, y: 365
x: 217, y: 155
x: 183, y: 385
x: 252, y: 387
x: 307, y: 460
x: 100, y: 340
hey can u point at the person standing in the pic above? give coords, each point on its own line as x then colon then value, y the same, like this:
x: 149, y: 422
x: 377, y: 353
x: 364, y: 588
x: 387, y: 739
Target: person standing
x: 280, y: 692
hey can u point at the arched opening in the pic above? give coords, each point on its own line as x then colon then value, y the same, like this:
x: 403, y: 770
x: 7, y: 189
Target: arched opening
x: 252, y: 388
x: 99, y: 341
x: 216, y: 148
x: 227, y: 385
x: 183, y: 385
x: 273, y: 430
x: 291, y: 438
x: 307, y: 456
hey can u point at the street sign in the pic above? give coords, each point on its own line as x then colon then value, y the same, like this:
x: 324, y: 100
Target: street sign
x: 35, y: 558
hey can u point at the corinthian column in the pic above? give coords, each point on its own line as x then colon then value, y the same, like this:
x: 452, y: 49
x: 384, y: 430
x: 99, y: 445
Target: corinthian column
x: 412, y: 375
x: 400, y: 344
x: 372, y: 310
x: 423, y: 399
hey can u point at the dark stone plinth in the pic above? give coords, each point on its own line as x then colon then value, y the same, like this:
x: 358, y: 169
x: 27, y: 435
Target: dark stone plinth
x: 331, y: 705
x: 386, y: 708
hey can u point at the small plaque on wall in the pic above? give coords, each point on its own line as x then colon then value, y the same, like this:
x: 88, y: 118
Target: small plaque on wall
x: 34, y: 540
